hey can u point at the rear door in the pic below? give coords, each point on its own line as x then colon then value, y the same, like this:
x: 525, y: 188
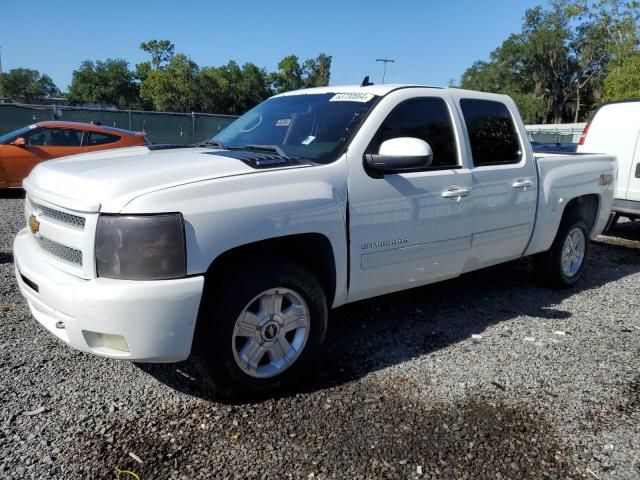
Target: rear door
x: 504, y: 182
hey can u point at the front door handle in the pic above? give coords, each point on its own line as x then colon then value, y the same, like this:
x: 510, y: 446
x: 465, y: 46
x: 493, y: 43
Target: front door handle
x: 455, y: 192
x: 522, y: 183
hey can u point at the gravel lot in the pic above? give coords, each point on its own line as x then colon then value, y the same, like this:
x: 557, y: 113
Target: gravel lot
x: 487, y: 376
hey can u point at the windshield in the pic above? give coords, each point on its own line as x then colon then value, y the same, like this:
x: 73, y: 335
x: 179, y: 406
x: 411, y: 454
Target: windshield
x: 313, y: 127
x: 15, y: 134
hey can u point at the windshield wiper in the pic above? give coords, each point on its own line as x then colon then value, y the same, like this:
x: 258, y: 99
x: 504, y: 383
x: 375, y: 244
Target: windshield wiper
x: 212, y: 144
x: 262, y: 148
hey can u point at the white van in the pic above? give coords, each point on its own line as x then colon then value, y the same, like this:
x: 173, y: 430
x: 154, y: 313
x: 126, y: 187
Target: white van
x: 615, y: 129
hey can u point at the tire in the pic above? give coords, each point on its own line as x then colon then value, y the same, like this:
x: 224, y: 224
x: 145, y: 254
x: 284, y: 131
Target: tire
x: 230, y: 350
x: 548, y: 266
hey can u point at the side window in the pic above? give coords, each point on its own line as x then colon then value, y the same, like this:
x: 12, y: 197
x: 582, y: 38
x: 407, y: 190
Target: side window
x: 96, y: 138
x: 427, y: 119
x: 492, y: 133
x: 55, y: 137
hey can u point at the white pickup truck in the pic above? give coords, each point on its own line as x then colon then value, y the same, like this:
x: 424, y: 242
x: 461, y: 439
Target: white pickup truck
x: 313, y: 199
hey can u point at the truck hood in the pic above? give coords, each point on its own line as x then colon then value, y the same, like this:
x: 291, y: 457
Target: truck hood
x: 108, y: 180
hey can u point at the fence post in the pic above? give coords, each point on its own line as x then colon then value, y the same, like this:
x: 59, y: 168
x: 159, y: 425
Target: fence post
x: 130, y: 128
x: 193, y: 127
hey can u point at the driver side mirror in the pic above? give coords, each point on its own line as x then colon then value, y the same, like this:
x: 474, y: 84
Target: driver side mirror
x: 19, y: 142
x: 402, y: 154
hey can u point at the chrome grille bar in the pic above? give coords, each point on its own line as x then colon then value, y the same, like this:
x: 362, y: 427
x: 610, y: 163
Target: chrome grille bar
x: 68, y: 254
x: 73, y: 221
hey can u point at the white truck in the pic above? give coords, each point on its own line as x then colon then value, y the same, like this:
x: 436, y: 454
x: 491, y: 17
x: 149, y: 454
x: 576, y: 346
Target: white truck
x: 313, y: 199
x: 615, y: 129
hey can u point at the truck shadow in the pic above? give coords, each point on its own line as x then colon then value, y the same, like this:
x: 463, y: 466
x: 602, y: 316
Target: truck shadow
x: 373, y: 334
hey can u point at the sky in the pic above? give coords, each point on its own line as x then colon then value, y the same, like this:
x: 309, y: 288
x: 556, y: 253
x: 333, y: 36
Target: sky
x: 431, y: 41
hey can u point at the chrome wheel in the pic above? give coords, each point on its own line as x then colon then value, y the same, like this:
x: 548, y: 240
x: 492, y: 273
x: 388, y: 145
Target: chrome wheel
x: 573, y: 251
x: 271, y: 332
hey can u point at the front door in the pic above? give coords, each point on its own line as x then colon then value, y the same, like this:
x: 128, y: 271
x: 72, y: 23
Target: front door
x: 41, y: 144
x: 504, y: 184
x: 408, y: 229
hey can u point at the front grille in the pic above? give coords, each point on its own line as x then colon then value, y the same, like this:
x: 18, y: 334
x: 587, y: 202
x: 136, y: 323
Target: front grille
x: 68, y: 254
x: 73, y: 221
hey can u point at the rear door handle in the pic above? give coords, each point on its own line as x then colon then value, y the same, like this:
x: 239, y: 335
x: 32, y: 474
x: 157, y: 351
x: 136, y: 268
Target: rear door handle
x: 455, y: 192
x: 522, y: 183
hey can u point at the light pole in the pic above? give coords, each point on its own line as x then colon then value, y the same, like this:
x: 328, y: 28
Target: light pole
x: 385, y: 61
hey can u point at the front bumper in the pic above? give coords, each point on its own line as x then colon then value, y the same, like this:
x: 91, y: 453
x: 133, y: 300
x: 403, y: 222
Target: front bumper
x: 146, y: 321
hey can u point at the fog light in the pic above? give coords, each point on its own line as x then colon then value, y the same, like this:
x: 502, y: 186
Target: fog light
x: 117, y: 342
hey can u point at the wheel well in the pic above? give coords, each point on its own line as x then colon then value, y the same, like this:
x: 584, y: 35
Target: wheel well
x: 586, y: 207
x: 311, y: 250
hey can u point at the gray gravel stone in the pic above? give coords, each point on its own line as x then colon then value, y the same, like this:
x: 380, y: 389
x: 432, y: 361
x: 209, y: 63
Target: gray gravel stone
x: 403, y: 389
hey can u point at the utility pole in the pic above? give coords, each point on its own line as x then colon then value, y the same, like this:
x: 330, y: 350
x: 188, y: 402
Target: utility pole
x: 385, y: 61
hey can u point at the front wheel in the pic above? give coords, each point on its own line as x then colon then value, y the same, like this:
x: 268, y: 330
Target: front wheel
x: 262, y: 330
x: 562, y: 265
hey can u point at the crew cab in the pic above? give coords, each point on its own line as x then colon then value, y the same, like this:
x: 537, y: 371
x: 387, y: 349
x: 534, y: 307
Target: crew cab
x: 615, y: 129
x: 237, y: 249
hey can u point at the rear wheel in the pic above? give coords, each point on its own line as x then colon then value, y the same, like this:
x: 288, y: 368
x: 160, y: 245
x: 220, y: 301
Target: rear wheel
x: 562, y: 265
x: 262, y: 330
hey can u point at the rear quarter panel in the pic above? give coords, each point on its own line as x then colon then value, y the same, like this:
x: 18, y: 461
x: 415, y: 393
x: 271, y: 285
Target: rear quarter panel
x: 561, y: 178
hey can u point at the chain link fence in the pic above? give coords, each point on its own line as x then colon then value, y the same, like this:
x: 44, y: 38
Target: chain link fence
x: 161, y: 127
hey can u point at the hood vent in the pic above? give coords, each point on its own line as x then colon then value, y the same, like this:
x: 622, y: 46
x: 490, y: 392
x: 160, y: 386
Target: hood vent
x: 258, y: 160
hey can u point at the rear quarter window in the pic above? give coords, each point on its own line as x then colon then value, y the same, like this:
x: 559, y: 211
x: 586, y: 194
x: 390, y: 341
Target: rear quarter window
x: 492, y: 134
x: 96, y: 138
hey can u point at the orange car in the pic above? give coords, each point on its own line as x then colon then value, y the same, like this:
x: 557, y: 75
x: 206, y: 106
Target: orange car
x: 23, y: 149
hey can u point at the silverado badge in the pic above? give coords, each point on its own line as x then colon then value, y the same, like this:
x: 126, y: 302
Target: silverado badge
x: 34, y: 224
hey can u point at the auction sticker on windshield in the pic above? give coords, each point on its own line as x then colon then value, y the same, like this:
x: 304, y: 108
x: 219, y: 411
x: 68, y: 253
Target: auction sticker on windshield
x: 352, y: 97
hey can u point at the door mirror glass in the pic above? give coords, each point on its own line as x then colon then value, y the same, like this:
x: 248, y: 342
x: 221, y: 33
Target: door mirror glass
x: 19, y: 142
x: 403, y: 154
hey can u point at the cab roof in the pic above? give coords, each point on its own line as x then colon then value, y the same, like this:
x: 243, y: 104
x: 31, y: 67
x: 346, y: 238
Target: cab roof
x: 383, y: 89
x: 378, y: 90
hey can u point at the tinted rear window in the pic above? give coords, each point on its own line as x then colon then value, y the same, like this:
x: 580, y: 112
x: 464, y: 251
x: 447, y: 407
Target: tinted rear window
x: 101, y: 138
x: 492, y: 133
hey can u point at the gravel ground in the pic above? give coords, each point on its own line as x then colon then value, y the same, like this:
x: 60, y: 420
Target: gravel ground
x: 487, y: 376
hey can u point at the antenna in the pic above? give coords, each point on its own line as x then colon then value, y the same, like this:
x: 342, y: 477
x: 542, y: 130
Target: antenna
x: 366, y: 82
x: 385, y: 61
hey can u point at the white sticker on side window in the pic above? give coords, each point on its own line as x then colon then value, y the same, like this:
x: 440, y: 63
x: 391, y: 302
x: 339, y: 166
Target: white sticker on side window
x: 352, y: 97
x: 308, y: 140
x: 284, y: 122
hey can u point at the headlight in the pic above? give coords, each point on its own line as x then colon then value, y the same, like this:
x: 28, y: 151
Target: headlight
x: 141, y: 247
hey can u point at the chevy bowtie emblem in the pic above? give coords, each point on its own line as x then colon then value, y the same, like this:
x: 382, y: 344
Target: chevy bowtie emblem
x: 34, y: 224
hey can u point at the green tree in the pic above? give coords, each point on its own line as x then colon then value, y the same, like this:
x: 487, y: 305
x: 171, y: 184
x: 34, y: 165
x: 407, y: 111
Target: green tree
x: 317, y: 71
x: 555, y: 67
x: 161, y: 52
x: 173, y: 87
x: 232, y: 90
x: 26, y: 85
x: 289, y: 75
x: 623, y: 80
x: 108, y: 81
